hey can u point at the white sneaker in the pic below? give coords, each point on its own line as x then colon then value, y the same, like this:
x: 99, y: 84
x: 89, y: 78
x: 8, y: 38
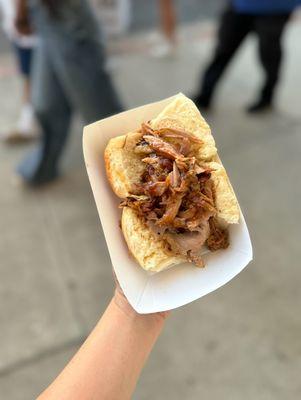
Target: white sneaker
x: 27, y: 124
x: 26, y: 128
x: 164, y: 48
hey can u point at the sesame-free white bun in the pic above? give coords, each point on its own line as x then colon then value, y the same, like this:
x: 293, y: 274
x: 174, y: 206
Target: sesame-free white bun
x: 124, y: 168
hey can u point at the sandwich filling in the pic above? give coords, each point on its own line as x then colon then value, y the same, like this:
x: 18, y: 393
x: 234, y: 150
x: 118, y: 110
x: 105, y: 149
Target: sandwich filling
x: 175, y: 195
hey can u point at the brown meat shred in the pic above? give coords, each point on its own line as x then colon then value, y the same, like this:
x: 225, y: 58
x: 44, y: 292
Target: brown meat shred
x: 189, y: 243
x: 162, y: 148
x: 146, y: 129
x: 155, y: 188
x: 172, y: 207
x: 175, y: 195
x: 175, y: 179
x: 218, y: 238
x: 177, y: 133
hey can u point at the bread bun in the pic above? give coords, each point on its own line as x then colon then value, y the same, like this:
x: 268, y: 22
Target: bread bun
x: 150, y: 252
x: 124, y: 168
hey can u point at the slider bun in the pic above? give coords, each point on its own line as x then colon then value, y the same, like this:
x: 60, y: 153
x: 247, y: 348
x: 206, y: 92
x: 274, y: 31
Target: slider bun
x: 124, y: 168
x: 225, y: 199
x: 183, y: 114
x: 150, y: 251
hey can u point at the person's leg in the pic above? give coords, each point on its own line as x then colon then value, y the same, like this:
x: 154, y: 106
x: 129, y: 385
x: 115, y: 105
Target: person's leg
x: 269, y: 30
x: 87, y: 83
x: 167, y: 43
x: 26, y: 90
x: 25, y: 127
x: 233, y: 29
x: 26, y: 124
x: 53, y: 112
x: 69, y: 70
x: 79, y: 61
x: 24, y: 57
x: 168, y: 19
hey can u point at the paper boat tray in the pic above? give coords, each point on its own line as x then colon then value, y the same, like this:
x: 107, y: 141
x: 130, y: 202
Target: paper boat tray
x: 184, y: 283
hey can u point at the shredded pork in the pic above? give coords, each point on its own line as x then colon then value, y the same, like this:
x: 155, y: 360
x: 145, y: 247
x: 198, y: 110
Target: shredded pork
x: 175, y: 194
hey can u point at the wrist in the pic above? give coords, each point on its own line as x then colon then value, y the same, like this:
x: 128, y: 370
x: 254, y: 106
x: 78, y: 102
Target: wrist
x: 122, y: 304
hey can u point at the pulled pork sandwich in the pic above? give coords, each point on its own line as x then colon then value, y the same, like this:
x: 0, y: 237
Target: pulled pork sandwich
x: 177, y: 199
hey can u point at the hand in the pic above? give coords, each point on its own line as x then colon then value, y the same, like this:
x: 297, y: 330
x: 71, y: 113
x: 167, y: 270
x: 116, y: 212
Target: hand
x: 122, y: 302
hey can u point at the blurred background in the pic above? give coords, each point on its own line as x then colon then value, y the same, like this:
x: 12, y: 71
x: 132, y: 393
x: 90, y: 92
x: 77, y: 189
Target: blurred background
x: 241, y: 342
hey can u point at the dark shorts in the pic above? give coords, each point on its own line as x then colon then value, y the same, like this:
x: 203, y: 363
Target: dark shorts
x: 24, y: 56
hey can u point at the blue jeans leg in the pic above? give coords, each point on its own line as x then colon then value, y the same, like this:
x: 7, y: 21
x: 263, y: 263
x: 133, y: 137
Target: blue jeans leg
x: 53, y: 113
x: 68, y: 72
x: 81, y: 69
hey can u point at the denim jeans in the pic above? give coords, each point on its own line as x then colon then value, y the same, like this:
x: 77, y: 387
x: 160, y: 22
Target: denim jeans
x: 68, y: 74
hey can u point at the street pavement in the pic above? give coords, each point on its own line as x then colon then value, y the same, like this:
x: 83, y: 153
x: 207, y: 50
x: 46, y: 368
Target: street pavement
x: 240, y: 342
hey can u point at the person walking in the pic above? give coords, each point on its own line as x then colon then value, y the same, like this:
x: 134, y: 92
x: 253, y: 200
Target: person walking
x: 68, y: 74
x: 267, y: 19
x: 23, y: 46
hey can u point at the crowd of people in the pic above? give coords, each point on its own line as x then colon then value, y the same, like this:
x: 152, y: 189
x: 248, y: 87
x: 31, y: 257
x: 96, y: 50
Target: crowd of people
x: 62, y: 62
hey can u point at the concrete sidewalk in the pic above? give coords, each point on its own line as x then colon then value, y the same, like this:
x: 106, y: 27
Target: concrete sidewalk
x: 241, y: 342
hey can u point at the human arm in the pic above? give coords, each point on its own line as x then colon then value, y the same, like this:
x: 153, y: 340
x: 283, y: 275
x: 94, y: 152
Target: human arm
x: 109, y: 363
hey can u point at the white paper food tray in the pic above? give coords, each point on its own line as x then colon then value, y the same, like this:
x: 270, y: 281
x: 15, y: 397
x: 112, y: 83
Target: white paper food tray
x: 177, y: 286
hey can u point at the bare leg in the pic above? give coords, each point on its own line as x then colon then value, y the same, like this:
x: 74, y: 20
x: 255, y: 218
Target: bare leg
x: 26, y: 91
x: 25, y: 128
x: 168, y: 19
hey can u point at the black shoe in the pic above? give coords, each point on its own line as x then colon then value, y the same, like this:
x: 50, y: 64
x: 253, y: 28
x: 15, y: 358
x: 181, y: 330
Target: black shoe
x: 259, y: 106
x: 202, y: 102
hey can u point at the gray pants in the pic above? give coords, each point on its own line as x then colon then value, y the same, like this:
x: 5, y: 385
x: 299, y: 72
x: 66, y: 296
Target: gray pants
x: 68, y: 74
